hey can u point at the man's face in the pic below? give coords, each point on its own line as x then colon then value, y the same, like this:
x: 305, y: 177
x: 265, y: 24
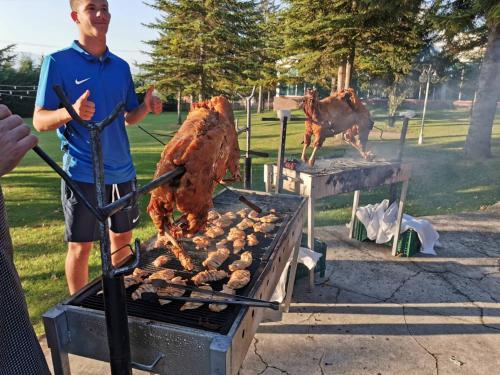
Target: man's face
x: 92, y: 17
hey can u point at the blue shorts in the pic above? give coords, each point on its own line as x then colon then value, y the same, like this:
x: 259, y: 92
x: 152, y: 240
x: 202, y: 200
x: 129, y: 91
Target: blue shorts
x: 81, y: 225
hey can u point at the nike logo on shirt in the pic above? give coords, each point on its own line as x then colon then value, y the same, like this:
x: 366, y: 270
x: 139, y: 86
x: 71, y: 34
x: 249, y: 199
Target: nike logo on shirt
x: 135, y: 220
x: 80, y: 82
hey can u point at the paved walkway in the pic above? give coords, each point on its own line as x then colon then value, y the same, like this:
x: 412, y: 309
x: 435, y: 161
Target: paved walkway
x: 375, y: 314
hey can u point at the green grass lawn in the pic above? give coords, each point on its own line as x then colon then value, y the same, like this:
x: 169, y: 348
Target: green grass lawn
x: 443, y: 182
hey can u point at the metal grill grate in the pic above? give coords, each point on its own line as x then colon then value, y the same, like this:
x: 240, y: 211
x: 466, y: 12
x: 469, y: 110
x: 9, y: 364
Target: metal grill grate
x: 202, y: 317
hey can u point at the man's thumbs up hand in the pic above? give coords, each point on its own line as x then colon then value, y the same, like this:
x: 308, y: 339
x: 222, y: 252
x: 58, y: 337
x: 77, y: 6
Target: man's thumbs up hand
x: 84, y: 107
x: 152, y: 102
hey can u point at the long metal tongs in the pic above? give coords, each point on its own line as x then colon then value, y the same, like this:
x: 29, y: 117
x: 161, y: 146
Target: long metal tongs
x: 230, y: 299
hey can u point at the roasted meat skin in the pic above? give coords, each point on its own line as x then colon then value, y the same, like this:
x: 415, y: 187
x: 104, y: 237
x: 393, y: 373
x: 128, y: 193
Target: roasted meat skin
x: 342, y: 112
x: 207, y: 146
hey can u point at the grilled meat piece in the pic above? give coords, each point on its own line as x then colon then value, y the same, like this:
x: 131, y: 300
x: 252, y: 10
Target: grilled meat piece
x: 263, y: 227
x: 252, y: 240
x: 217, y: 307
x: 161, y: 261
x: 230, y: 215
x: 207, y: 276
x: 138, y: 272
x: 216, y: 258
x: 243, y: 212
x: 238, y: 244
x: 201, y: 242
x: 239, y: 279
x: 222, y: 222
x: 212, y: 215
x: 271, y: 218
x: 222, y: 243
x: 235, y: 233
x: 207, y: 146
x: 171, y: 291
x: 143, y: 288
x: 130, y: 280
x: 254, y: 215
x: 214, y: 231
x: 164, y: 274
x: 194, y: 294
x: 244, y: 262
x: 245, y: 223
x: 166, y: 240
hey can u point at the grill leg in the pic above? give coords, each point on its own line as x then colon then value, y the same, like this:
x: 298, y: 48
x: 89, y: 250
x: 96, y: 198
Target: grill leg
x: 402, y: 200
x: 355, y: 204
x: 268, y: 177
x: 291, y: 277
x: 56, y: 330
x: 310, y: 234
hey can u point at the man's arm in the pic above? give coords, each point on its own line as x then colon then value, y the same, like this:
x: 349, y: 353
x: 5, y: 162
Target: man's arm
x: 15, y: 140
x: 45, y: 119
x: 151, y: 104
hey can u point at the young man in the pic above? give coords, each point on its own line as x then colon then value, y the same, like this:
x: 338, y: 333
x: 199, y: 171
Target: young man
x: 95, y: 80
x: 20, y: 353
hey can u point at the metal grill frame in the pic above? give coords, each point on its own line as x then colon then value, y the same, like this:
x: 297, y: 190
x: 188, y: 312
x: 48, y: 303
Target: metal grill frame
x: 339, y: 176
x: 82, y: 331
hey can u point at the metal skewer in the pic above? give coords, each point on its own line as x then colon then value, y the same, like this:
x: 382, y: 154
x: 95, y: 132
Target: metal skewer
x: 265, y: 304
x: 163, y: 284
x: 231, y: 298
x: 242, y: 199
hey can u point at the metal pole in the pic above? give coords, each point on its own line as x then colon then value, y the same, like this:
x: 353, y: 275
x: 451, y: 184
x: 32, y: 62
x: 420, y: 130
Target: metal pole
x: 113, y: 287
x: 281, y: 155
x: 247, y: 182
x: 179, y: 108
x: 461, y: 85
x: 248, y: 159
x: 421, y: 136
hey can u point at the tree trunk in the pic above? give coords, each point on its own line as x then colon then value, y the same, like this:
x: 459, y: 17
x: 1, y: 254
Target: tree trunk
x: 259, y: 103
x: 348, y: 69
x: 268, y: 100
x: 478, y: 142
x: 333, y: 87
x: 341, y: 77
x: 179, y: 118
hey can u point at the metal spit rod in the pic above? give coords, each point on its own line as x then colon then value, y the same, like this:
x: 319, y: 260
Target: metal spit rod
x: 165, y: 284
x: 264, y: 304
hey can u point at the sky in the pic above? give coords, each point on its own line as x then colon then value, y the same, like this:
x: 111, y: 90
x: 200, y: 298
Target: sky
x: 39, y: 27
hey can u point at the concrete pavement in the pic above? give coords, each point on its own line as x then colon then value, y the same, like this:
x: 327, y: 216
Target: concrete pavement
x: 376, y: 314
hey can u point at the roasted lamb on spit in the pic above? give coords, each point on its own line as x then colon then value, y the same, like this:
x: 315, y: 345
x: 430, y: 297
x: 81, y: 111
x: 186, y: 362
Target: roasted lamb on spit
x: 207, y: 146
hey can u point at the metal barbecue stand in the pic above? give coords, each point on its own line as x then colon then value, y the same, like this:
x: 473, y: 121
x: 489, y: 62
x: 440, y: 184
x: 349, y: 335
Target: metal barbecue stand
x: 247, y: 182
x: 302, y: 181
x: 112, y: 280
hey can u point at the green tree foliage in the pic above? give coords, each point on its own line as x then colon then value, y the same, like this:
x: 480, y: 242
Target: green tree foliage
x: 7, y: 56
x: 466, y: 25
x: 379, y: 38
x: 18, y: 85
x: 271, y: 44
x: 204, y: 47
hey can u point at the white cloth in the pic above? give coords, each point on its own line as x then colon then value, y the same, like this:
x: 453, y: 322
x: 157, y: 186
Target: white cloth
x: 380, y: 222
x: 308, y: 258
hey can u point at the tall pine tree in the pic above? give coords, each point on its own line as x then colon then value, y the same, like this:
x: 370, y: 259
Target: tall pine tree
x: 204, y: 47
x: 334, y: 37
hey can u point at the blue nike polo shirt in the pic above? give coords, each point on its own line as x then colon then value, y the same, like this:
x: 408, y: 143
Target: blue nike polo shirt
x: 110, y: 82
